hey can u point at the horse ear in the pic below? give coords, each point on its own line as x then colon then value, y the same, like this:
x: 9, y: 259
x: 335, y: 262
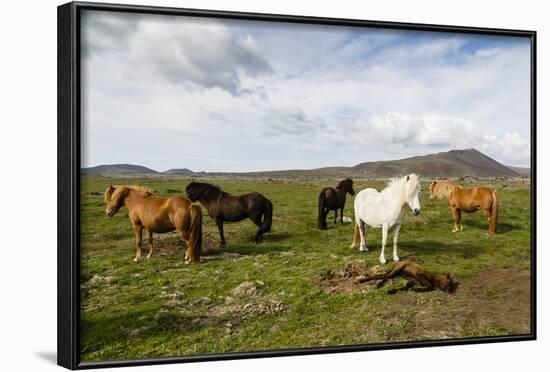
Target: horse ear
x: 408, y: 177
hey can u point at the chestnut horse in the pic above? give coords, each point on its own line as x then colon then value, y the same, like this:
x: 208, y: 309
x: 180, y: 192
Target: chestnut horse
x: 222, y: 206
x: 157, y: 215
x: 467, y: 200
x: 332, y: 199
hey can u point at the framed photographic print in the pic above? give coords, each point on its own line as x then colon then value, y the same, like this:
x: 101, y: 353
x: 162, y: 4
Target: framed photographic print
x: 236, y: 185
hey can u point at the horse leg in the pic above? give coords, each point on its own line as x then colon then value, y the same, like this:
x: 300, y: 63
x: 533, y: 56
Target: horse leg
x: 138, y: 230
x: 395, y: 237
x: 459, y: 216
x: 455, y: 225
x: 219, y: 223
x: 487, y: 214
x: 342, y: 215
x: 150, y: 245
x: 384, y: 239
x: 363, y: 235
x: 257, y: 219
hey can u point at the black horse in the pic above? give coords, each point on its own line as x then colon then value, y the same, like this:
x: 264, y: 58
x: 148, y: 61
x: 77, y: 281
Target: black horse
x: 332, y: 199
x: 222, y: 206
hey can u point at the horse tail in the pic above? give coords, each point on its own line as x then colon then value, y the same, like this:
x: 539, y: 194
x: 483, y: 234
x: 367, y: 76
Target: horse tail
x: 494, y: 214
x: 322, y: 218
x: 195, y: 233
x: 268, y: 218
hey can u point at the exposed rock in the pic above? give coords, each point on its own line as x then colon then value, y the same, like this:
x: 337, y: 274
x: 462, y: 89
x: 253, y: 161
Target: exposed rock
x: 99, y: 279
x: 203, y: 301
x: 246, y: 289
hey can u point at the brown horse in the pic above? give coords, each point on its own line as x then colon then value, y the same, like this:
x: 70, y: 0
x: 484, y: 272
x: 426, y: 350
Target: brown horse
x: 332, y: 199
x: 157, y: 215
x: 415, y: 274
x: 222, y: 206
x: 467, y: 200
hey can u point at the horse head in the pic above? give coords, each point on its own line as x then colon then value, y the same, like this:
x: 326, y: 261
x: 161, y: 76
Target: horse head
x: 114, y: 199
x: 194, y: 191
x: 347, y: 186
x: 447, y: 284
x: 412, y: 190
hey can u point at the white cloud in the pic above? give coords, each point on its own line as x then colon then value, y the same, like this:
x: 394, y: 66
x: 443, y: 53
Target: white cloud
x: 217, y: 95
x: 194, y: 52
x: 418, y: 134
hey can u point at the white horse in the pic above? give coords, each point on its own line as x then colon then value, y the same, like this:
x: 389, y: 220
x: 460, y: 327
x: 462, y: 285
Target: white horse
x: 385, y: 209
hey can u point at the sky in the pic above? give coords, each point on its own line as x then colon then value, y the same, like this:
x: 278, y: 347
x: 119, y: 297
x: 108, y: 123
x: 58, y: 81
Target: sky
x: 231, y: 95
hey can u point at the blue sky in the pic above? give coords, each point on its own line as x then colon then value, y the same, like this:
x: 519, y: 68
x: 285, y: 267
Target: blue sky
x: 220, y: 95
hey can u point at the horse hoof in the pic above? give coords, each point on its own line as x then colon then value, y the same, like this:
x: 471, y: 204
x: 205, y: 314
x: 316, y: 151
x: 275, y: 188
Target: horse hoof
x: 363, y: 249
x: 383, y: 260
x: 137, y: 259
x: 395, y: 259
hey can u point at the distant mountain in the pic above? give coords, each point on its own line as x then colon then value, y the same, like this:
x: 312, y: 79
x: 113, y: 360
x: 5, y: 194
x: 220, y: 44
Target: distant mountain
x: 118, y: 169
x: 454, y: 163
x: 525, y: 172
x: 181, y: 171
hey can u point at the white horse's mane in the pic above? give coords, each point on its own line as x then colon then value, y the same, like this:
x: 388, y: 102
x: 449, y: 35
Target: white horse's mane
x: 400, y: 182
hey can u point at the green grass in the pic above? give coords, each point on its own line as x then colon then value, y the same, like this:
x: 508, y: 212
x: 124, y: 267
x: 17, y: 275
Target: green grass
x: 128, y: 314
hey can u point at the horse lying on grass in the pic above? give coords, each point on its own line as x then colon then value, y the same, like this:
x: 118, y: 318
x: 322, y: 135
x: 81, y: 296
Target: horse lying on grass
x: 467, y: 200
x: 157, y: 215
x: 415, y: 274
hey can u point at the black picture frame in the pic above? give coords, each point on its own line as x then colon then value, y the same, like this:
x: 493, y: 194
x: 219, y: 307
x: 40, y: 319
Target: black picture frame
x: 68, y: 91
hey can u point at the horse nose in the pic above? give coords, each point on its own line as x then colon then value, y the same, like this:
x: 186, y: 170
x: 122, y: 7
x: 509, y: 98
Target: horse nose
x: 417, y: 211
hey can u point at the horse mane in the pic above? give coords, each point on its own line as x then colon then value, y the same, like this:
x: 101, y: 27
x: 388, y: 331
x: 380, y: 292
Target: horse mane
x: 343, y: 182
x: 443, y: 189
x: 143, y: 189
x: 395, y: 182
x: 207, y: 189
x: 110, y: 191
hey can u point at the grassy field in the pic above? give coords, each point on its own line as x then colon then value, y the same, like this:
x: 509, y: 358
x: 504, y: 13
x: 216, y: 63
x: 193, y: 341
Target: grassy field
x: 162, y: 307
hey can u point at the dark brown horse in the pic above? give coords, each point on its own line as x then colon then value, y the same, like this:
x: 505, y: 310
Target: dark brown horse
x: 222, y: 206
x: 332, y: 199
x: 157, y: 215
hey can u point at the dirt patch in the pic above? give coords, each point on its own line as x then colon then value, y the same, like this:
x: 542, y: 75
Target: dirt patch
x: 350, y: 278
x: 495, y: 298
x: 494, y: 302
x: 246, y: 301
